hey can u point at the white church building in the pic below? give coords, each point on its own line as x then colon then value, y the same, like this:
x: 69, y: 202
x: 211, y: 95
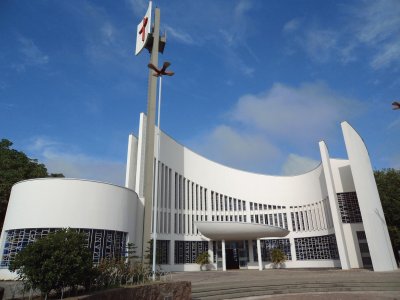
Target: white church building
x: 328, y: 217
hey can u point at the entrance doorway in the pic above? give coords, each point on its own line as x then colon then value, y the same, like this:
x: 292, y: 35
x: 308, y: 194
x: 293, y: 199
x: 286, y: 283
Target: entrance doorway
x: 236, y: 254
x: 232, y: 260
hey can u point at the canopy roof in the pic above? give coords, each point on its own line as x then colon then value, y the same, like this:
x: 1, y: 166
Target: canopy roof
x: 238, y: 230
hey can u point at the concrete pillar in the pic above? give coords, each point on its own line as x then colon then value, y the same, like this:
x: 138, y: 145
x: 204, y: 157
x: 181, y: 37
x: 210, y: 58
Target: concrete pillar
x: 211, y: 251
x: 251, y: 256
x: 334, y: 205
x: 260, y: 264
x: 293, y: 249
x: 172, y: 252
x: 223, y: 256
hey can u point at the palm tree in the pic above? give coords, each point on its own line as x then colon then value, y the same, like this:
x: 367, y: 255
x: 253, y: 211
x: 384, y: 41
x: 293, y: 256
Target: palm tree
x: 277, y: 257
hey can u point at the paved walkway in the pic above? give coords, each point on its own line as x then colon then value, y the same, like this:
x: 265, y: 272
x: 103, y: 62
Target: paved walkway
x: 283, y: 284
x: 357, y: 284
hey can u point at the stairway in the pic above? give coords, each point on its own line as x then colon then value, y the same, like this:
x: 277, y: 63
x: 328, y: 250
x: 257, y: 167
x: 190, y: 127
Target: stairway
x: 260, y: 288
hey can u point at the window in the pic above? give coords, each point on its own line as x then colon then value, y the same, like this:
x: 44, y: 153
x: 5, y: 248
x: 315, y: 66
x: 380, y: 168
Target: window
x: 293, y: 222
x: 349, y: 208
x: 102, y: 243
x: 316, y: 247
x: 297, y: 220
x: 186, y: 252
x: 268, y: 245
x: 285, y: 224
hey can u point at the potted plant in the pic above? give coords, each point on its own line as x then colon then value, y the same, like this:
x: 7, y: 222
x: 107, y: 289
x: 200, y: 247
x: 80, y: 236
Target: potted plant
x: 203, y: 259
x: 277, y: 257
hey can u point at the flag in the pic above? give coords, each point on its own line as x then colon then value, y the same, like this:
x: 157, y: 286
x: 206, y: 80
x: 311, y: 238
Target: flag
x: 143, y: 30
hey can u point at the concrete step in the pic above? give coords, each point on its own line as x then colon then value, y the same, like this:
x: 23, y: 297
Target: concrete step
x: 213, y: 292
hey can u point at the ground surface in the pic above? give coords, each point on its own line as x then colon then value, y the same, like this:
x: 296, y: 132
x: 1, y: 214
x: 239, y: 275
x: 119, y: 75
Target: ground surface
x: 282, y: 284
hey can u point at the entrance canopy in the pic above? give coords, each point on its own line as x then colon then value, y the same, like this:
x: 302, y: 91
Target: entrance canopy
x: 238, y: 230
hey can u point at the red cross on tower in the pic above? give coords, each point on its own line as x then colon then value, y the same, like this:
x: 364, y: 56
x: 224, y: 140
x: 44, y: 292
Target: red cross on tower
x: 142, y: 30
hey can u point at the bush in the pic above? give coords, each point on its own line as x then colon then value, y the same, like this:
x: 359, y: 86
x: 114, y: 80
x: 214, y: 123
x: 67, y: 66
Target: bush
x: 55, y: 262
x: 203, y: 259
x: 277, y: 257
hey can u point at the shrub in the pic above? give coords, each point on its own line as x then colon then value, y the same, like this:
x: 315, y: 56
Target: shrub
x: 203, y: 259
x: 277, y: 257
x: 55, y: 262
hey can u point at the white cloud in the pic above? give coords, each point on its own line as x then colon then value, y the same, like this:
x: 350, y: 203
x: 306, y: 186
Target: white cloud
x: 307, y: 113
x: 377, y: 21
x: 108, y: 32
x: 242, y: 7
x: 179, y: 35
x: 105, y: 43
x: 388, y: 54
x: 291, y: 25
x: 246, y: 151
x: 296, y: 164
x: 320, y: 43
x: 377, y: 25
x: 369, y: 28
x: 30, y: 55
x: 139, y: 7
x: 60, y: 158
x: 394, y: 124
x: 260, y: 129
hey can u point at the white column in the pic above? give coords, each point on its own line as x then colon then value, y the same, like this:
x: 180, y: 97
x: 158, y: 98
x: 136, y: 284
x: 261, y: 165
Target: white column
x: 260, y: 266
x: 251, y: 256
x: 292, y: 249
x: 172, y: 252
x: 223, y: 256
x: 337, y: 221
x: 211, y: 251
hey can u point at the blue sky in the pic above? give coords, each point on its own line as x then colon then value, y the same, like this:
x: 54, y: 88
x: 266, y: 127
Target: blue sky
x: 257, y: 83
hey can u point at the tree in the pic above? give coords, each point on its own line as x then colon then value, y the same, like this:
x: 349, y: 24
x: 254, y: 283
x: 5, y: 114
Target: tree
x: 277, y: 256
x: 388, y: 183
x: 16, y: 166
x: 54, y: 262
x: 203, y: 259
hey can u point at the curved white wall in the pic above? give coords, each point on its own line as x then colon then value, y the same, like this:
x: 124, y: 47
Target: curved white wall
x: 63, y: 202
x: 285, y: 194
x: 74, y: 203
x: 374, y: 222
x: 304, y: 189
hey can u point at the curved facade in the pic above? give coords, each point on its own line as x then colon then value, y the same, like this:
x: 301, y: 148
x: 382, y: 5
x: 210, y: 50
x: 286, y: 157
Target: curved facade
x: 319, y: 210
x: 37, y: 207
x: 328, y: 217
